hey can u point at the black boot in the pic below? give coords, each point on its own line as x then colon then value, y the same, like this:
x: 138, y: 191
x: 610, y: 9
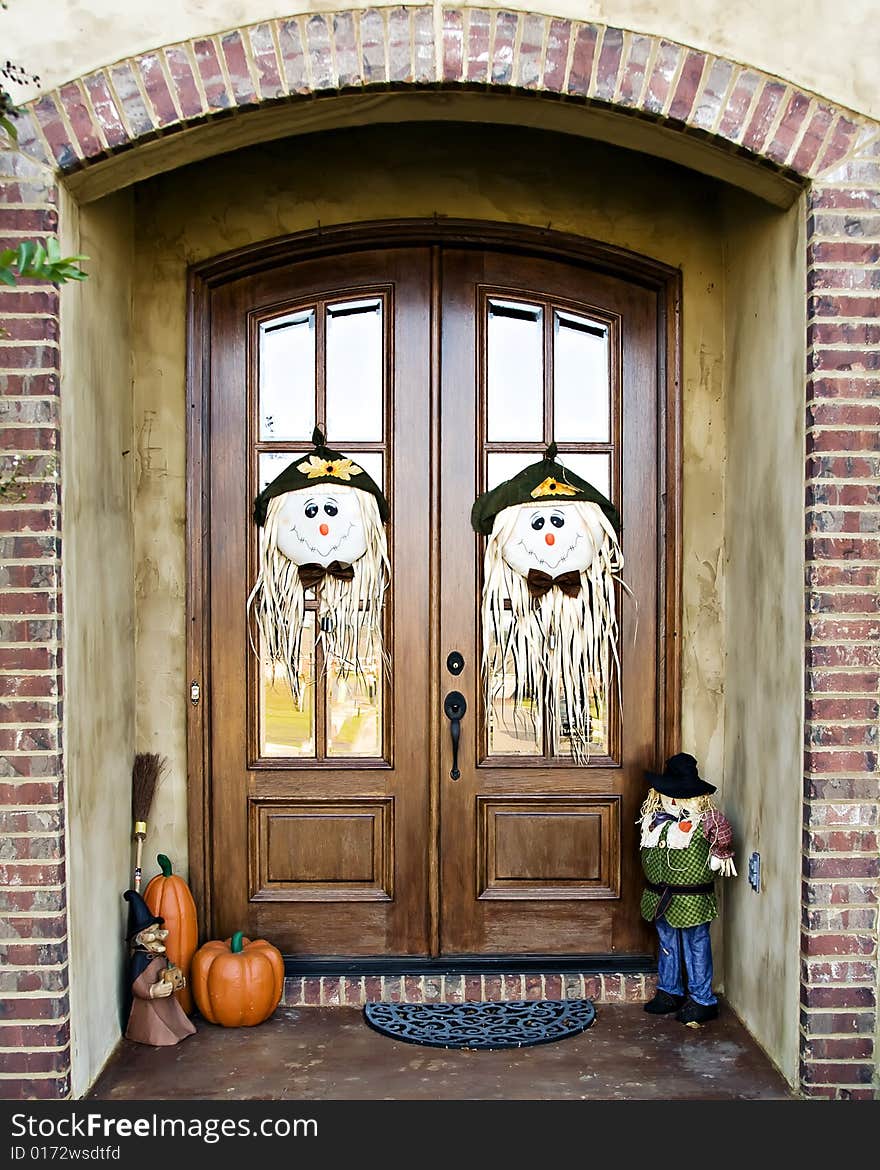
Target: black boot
x: 694, y: 1014
x: 663, y: 1003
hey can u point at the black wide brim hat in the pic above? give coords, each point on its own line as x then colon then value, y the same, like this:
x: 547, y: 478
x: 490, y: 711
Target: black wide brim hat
x: 323, y: 465
x: 140, y: 916
x: 680, y: 778
x: 544, y: 482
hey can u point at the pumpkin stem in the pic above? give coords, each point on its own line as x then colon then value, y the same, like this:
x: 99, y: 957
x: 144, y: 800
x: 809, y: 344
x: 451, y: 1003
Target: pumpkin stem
x: 164, y: 865
x: 235, y: 945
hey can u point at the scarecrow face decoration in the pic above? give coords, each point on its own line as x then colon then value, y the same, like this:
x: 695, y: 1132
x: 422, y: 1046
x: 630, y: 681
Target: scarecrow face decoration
x: 554, y: 539
x: 549, y: 620
x: 323, y: 530
x: 321, y: 524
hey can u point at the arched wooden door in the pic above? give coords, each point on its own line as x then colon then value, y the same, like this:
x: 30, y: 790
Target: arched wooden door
x: 333, y: 827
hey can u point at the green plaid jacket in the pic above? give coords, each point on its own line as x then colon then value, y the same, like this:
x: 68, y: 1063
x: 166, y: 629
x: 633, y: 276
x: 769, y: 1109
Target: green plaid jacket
x: 680, y: 867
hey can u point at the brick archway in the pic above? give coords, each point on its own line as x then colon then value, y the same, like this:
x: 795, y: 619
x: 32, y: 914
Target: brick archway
x: 731, y: 107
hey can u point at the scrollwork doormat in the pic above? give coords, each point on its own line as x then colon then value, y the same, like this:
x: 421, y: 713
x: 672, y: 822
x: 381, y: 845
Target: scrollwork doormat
x: 515, y: 1024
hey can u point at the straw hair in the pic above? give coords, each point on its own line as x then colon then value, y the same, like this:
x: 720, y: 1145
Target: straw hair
x: 148, y: 768
x: 349, y: 612
x: 560, y: 651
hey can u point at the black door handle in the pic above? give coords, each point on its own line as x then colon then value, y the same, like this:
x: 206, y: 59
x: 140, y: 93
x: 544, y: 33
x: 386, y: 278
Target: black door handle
x: 454, y: 707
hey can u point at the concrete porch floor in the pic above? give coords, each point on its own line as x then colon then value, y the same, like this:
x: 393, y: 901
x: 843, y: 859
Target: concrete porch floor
x: 331, y: 1054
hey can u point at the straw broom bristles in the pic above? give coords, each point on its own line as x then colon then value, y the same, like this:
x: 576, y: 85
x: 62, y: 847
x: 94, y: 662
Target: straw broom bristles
x: 148, y: 769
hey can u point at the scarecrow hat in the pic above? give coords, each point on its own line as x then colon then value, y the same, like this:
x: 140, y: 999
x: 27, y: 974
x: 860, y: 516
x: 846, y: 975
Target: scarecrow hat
x: 140, y: 916
x: 323, y: 465
x: 679, y: 778
x: 544, y: 482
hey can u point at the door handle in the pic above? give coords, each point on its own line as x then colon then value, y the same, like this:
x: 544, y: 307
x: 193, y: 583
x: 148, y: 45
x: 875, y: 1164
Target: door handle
x: 454, y: 707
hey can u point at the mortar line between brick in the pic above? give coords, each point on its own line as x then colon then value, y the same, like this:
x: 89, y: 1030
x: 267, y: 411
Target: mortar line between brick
x: 573, y: 29
x: 594, y: 68
x: 770, y: 136
x: 250, y: 60
x: 625, y: 47
x: 799, y: 136
x: 189, y: 51
x: 165, y: 70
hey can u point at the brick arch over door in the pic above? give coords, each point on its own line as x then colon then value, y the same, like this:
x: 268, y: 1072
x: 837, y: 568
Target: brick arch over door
x: 731, y: 106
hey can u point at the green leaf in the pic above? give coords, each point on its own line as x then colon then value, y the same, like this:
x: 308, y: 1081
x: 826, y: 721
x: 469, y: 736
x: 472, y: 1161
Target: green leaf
x: 10, y: 130
x: 7, y: 276
x: 53, y: 251
x: 6, y: 257
x: 26, y: 251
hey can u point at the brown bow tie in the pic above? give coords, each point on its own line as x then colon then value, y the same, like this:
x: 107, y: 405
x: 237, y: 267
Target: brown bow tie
x: 540, y: 583
x: 312, y: 574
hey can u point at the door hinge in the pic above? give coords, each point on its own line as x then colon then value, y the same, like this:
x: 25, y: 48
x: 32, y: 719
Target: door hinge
x: 195, y: 693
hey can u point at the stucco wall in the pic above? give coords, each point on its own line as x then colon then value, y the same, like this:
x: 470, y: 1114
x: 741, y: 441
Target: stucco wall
x: 98, y: 622
x: 804, y: 41
x: 510, y: 175
x: 764, y: 551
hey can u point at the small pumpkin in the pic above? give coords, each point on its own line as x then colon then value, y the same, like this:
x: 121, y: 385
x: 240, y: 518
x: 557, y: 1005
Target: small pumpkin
x: 169, y: 897
x: 236, y: 982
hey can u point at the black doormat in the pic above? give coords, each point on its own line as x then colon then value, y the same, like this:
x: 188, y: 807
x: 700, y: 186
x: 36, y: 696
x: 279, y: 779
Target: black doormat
x: 514, y: 1024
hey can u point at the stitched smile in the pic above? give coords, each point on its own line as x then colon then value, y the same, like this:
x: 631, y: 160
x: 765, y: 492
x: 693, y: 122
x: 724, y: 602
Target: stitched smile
x: 553, y: 564
x: 316, y: 548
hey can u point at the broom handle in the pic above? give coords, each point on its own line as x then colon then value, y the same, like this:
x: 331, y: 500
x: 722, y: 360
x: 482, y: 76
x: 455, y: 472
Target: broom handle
x: 140, y: 832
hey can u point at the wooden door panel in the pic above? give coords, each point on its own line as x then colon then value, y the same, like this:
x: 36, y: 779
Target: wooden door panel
x: 548, y: 847
x: 537, y: 855
x: 322, y: 851
x: 306, y: 852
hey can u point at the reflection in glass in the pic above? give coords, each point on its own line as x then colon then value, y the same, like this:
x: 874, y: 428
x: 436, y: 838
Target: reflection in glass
x: 595, y: 468
x: 501, y: 465
x: 287, y: 376
x: 287, y: 728
x: 371, y: 462
x: 581, y: 385
x: 598, y: 729
x: 354, y: 371
x: 271, y: 464
x: 511, y: 732
x: 354, y: 710
x: 515, y: 361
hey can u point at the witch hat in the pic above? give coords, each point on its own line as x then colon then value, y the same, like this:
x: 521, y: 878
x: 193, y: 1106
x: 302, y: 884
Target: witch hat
x: 680, y: 778
x: 140, y: 916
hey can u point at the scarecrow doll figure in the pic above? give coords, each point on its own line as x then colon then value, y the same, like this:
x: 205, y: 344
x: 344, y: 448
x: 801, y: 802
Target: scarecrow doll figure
x: 685, y: 844
x: 156, y: 1017
x: 323, y: 531
x: 549, y: 626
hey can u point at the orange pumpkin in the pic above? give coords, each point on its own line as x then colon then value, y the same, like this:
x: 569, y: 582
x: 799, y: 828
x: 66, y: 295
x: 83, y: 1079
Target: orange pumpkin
x: 237, y: 983
x: 169, y: 897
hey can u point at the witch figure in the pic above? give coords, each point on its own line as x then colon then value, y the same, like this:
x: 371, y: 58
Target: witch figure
x: 156, y: 1017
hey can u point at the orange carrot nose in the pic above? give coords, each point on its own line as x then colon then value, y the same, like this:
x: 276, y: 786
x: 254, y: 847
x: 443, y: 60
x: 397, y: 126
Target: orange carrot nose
x: 550, y: 538
x: 323, y: 529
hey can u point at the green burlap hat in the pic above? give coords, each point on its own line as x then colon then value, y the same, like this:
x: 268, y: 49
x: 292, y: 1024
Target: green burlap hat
x: 322, y: 465
x: 544, y: 482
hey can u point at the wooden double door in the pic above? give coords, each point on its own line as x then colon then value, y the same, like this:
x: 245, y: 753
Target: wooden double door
x: 332, y: 826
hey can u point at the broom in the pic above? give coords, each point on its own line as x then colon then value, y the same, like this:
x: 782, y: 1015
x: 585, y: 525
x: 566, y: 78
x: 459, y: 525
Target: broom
x: 148, y: 768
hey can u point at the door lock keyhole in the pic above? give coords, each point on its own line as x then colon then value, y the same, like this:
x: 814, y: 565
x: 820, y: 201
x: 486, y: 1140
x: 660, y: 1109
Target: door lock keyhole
x: 455, y: 662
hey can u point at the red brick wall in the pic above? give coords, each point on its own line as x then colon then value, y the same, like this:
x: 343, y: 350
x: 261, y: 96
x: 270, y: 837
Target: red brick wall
x: 842, y: 787
x: 738, y: 109
x: 34, y: 1028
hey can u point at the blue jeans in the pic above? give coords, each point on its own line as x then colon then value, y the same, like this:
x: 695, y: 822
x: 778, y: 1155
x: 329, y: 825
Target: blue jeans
x: 694, y: 942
